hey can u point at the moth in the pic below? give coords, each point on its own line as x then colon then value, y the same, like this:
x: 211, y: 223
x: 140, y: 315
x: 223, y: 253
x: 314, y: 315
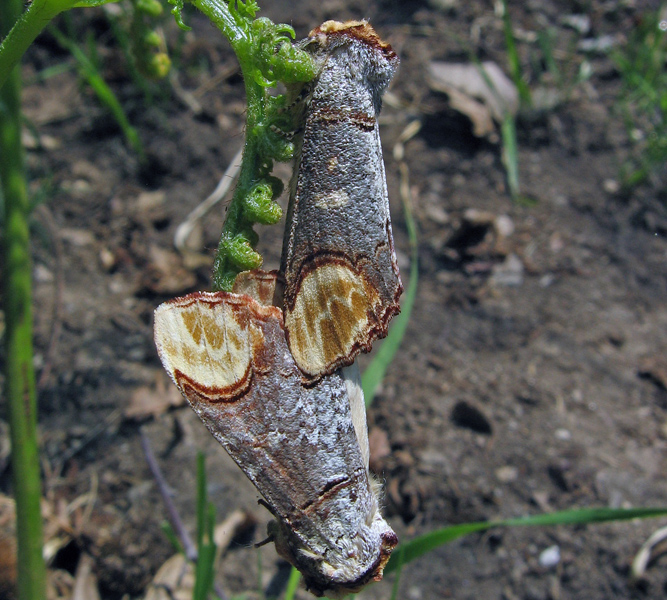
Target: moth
x: 304, y: 447
x: 341, y: 277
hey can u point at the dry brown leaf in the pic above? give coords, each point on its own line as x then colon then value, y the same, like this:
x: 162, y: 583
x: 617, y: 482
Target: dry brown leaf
x: 173, y: 581
x: 151, y: 401
x: 85, y: 581
x: 470, y: 94
x: 166, y: 274
x: 175, y: 578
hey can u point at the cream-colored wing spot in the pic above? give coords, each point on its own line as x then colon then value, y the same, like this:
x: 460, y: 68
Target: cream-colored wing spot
x: 329, y: 320
x: 204, y: 343
x: 332, y: 199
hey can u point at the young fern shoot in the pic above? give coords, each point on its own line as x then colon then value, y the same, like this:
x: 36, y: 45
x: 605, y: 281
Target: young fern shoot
x: 266, y: 56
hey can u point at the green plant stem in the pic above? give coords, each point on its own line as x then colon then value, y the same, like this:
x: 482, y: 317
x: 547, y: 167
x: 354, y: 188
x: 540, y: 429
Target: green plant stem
x: 513, y: 57
x: 256, y: 98
x: 17, y: 305
x: 256, y: 103
x: 510, y: 154
x: 266, y: 56
x: 26, y: 26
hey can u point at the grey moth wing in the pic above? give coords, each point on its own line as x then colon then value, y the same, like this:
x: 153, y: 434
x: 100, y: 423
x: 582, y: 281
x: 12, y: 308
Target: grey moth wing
x: 228, y: 355
x: 342, y: 284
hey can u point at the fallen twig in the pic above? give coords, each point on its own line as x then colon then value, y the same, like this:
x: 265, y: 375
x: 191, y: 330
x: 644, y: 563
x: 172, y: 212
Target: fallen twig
x: 184, y: 230
x: 172, y: 514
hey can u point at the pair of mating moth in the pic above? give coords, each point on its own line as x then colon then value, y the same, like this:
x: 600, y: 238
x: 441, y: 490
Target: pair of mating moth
x: 269, y: 367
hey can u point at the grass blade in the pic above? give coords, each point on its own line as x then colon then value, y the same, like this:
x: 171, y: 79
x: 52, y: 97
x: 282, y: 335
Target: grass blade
x: 423, y: 544
x: 513, y: 57
x: 375, y: 372
x: 206, y: 548
x: 103, y: 92
x: 510, y: 154
x: 292, y: 584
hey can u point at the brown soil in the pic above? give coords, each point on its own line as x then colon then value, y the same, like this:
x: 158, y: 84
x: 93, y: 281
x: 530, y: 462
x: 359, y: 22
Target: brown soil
x: 533, y: 376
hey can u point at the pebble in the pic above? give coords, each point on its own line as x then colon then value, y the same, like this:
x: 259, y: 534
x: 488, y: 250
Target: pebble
x: 563, y: 434
x: 507, y: 474
x: 509, y: 272
x: 550, y: 557
x: 611, y: 186
x: 504, y: 225
x: 42, y: 274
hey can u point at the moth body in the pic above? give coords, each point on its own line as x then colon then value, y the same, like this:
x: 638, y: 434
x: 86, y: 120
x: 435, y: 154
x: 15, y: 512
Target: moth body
x: 228, y: 355
x: 341, y: 278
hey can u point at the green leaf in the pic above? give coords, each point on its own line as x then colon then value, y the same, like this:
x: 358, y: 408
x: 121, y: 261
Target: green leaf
x: 292, y: 584
x: 259, y: 206
x: 423, y: 544
x: 177, y: 11
x: 376, y: 370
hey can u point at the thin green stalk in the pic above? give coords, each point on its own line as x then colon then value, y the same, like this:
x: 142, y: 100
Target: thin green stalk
x: 510, y: 154
x: 103, y: 92
x: 375, y: 372
x: 17, y: 305
x: 27, y: 26
x: 513, y: 57
x: 292, y: 584
x: 206, y: 548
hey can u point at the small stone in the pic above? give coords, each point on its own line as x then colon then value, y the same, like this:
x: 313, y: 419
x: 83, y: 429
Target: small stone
x: 600, y: 45
x: 77, y: 237
x: 504, y: 225
x: 509, y: 272
x: 549, y: 557
x: 547, y: 280
x: 42, y: 274
x: 149, y: 200
x: 507, y: 474
x: 415, y: 593
x: 437, y: 214
x: 475, y: 216
x: 580, y: 23
x: 611, y: 186
x: 107, y: 259
x: 563, y: 434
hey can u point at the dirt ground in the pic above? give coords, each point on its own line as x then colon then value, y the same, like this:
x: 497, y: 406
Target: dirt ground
x: 533, y: 375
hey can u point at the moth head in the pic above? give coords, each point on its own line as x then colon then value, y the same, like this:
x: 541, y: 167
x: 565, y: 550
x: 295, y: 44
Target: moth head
x: 356, y: 560
x: 376, y: 58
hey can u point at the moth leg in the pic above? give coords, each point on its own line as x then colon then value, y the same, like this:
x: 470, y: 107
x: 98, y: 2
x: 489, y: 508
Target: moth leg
x: 270, y: 538
x: 268, y: 507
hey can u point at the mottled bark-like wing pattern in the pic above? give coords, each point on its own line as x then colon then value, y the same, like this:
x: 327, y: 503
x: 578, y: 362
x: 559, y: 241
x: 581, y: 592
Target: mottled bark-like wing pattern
x: 341, y: 278
x: 229, y: 357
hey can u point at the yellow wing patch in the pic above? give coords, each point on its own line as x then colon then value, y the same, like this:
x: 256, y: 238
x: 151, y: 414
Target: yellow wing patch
x: 206, y: 344
x: 330, y: 318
